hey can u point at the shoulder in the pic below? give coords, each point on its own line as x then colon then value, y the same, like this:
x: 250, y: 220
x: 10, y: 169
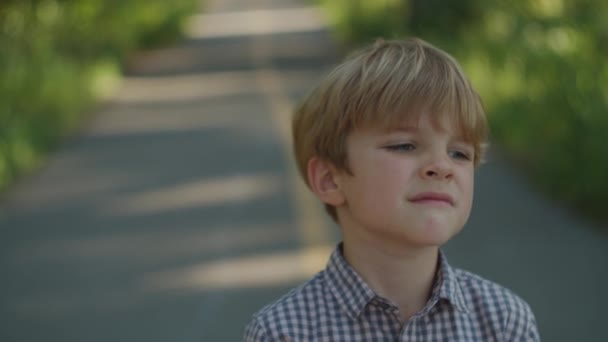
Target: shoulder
x: 479, y: 289
x: 291, y: 311
x: 296, y: 302
x: 512, y: 313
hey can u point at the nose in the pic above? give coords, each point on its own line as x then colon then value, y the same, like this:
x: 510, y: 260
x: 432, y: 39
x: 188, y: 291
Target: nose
x: 437, y: 168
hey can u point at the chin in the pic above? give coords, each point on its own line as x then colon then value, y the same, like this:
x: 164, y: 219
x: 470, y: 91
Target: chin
x: 438, y: 235
x: 431, y: 237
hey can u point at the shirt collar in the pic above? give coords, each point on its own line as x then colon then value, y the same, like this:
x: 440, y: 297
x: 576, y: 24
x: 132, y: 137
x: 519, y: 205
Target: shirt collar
x: 353, y: 294
x: 346, y: 286
x: 448, y: 287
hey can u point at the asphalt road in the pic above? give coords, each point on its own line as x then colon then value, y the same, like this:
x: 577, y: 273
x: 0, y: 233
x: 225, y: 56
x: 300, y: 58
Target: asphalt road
x: 177, y: 212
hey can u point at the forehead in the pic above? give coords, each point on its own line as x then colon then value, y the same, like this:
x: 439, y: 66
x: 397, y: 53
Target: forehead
x: 424, y: 129
x: 413, y: 121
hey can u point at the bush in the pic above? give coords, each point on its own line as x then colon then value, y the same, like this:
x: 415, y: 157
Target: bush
x: 53, y: 54
x: 540, y: 67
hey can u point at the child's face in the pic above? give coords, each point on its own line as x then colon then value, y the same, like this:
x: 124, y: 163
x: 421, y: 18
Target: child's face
x: 412, y: 185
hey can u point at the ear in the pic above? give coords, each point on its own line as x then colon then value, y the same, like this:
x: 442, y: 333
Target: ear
x: 322, y: 178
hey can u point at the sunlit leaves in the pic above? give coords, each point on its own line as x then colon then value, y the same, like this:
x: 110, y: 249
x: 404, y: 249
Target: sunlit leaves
x: 57, y: 55
x: 540, y: 66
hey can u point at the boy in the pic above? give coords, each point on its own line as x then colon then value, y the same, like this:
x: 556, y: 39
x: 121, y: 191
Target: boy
x: 389, y: 142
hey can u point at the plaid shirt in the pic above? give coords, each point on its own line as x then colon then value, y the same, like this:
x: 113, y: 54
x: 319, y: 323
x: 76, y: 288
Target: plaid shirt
x: 337, y: 305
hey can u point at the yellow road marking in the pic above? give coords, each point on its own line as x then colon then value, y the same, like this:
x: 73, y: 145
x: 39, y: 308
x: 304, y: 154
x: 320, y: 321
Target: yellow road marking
x: 309, y: 212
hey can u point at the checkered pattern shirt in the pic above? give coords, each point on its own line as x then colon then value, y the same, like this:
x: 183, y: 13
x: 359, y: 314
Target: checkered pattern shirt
x: 337, y: 305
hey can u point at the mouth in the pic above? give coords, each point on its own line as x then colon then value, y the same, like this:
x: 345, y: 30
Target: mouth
x: 432, y: 198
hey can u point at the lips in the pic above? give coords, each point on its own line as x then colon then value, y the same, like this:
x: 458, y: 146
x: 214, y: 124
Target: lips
x: 432, y: 198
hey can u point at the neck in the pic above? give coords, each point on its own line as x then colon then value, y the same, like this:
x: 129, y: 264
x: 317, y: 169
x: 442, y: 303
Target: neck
x: 403, y: 276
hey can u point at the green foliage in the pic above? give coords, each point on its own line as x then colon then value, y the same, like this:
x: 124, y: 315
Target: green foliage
x: 540, y: 67
x: 53, y: 54
x: 361, y: 21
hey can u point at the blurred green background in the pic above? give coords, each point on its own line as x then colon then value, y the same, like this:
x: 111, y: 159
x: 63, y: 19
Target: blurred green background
x: 58, y: 57
x: 540, y: 66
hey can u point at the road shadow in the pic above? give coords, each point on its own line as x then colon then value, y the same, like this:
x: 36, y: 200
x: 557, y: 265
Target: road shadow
x: 124, y: 233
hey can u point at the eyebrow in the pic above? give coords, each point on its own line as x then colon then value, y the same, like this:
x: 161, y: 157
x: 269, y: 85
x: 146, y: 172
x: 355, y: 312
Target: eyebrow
x: 415, y: 129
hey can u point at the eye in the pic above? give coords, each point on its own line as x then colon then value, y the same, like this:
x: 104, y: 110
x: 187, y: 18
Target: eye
x: 456, y: 154
x: 404, y: 147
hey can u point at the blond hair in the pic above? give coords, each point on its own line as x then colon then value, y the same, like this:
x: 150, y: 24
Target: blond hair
x: 385, y: 84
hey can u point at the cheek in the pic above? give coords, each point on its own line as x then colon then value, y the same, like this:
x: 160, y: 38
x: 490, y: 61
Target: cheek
x: 468, y: 185
x: 387, y: 180
x: 372, y: 189
x: 395, y: 172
